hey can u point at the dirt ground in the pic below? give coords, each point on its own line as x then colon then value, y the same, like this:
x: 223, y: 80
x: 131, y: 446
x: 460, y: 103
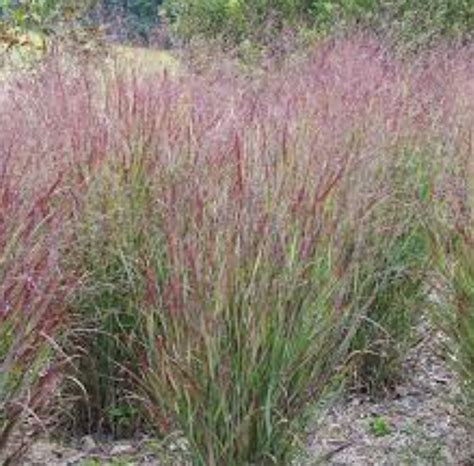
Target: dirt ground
x: 417, y: 425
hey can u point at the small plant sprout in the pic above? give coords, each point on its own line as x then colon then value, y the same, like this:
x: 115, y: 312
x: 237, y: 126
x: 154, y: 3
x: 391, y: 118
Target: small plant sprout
x: 379, y: 427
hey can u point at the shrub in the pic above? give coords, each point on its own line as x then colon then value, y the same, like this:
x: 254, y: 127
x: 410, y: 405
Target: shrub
x: 237, y: 20
x: 420, y: 23
x: 30, y: 30
x: 134, y: 19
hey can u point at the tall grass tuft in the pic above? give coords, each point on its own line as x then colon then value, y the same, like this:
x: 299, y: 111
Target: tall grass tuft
x: 452, y: 243
x: 236, y: 243
x: 245, y: 239
x: 451, y: 232
x: 397, y: 270
x: 456, y: 319
x: 32, y: 307
x: 32, y: 288
x: 38, y: 135
x: 392, y: 274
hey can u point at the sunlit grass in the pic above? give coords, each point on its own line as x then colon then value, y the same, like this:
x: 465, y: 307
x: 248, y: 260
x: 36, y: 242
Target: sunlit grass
x: 145, y: 60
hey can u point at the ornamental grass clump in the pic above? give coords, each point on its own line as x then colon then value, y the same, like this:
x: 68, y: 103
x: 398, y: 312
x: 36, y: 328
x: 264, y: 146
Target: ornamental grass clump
x: 36, y: 182
x: 392, y: 274
x: 452, y: 243
x: 227, y: 247
x: 31, y: 301
x: 449, y: 222
x: 245, y: 240
x: 398, y: 261
x: 452, y: 304
x: 32, y: 285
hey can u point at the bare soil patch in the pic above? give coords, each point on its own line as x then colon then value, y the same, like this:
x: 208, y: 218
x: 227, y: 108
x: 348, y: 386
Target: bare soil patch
x: 417, y: 425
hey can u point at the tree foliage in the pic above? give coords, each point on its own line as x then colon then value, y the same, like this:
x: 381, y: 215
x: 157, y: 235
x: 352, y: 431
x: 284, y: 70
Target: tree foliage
x: 20, y: 21
x: 45, y: 17
x: 139, y: 16
x: 236, y: 20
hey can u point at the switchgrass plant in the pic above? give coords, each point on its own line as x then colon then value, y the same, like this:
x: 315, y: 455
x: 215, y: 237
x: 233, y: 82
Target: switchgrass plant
x: 456, y: 319
x: 32, y: 286
x: 241, y: 331
x: 451, y: 237
x: 452, y: 309
x: 452, y: 243
x: 245, y: 240
x: 112, y: 238
x: 32, y: 307
x: 37, y: 177
x: 237, y: 242
x: 393, y: 274
x: 227, y: 309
